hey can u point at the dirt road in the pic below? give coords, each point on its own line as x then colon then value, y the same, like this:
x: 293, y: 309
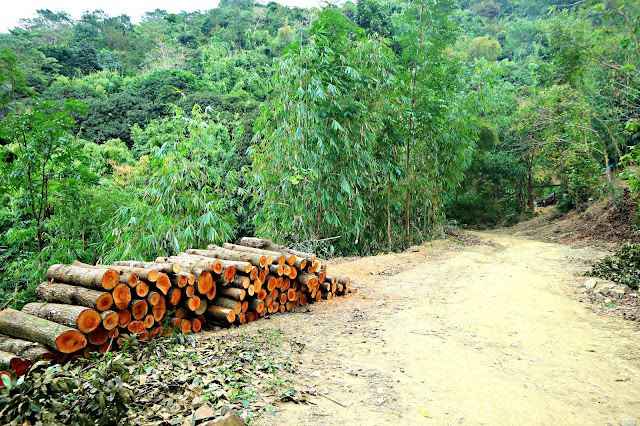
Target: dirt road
x: 483, y: 334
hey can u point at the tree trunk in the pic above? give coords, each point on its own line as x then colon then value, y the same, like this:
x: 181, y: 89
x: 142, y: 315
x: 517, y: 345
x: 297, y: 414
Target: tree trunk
x: 21, y: 325
x: 167, y: 268
x: 232, y: 293
x: 301, y: 257
x: 25, y: 349
x: 64, y: 293
x: 125, y: 277
x: 226, y: 254
x: 86, y: 277
x: 80, y: 317
x: 225, y: 302
x: 221, y: 314
x: 277, y: 257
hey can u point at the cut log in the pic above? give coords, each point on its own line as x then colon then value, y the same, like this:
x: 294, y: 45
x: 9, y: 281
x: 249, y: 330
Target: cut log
x: 109, y: 319
x: 190, y: 262
x: 154, y: 298
x: 201, y: 308
x: 241, y: 319
x: 99, y: 279
x: 69, y: 294
x: 21, y: 325
x: 189, y: 290
x: 80, y: 317
x: 269, y: 245
x: 291, y: 294
x: 256, y: 305
x: 174, y: 296
x: 228, y: 303
x: 196, y: 325
x: 255, y: 272
x: 121, y: 296
x: 183, y: 325
x: 124, y: 318
x: 229, y: 272
x: 193, y: 303
x: 211, y: 294
x: 342, y: 280
x: 139, y: 309
x: 149, y: 321
x: 141, y: 289
x: 158, y: 312
x: 25, y: 349
x: 232, y: 293
x: 98, y: 336
x: 308, y: 280
x: 136, y: 327
x: 125, y: 278
x: 226, y: 254
x: 245, y: 306
x: 272, y: 283
x: 180, y: 280
x: 277, y: 257
x: 150, y: 275
x: 221, y: 314
x: 204, y: 285
x: 277, y: 270
x: 252, y: 316
x: 262, y: 294
x: 167, y: 268
x: 251, y: 290
x: 163, y: 283
x: 238, y: 281
x: 182, y: 313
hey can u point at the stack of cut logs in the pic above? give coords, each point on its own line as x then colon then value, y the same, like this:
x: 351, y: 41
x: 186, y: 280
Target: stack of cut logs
x: 91, y: 308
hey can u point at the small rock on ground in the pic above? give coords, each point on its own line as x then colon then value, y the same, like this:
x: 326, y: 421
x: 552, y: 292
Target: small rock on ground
x: 628, y: 422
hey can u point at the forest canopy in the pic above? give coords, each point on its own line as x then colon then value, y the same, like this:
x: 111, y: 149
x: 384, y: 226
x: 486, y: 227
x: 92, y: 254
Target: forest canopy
x: 343, y: 130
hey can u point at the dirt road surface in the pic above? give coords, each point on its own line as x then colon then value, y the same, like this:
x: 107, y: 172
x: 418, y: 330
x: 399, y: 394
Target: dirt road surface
x: 481, y: 334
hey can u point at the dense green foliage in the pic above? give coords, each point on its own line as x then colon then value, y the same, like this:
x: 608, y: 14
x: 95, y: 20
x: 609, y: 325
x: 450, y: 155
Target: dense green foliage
x: 347, y: 130
x: 623, y: 267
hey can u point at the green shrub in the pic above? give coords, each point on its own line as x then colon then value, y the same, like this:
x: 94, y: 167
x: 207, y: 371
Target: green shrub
x: 623, y: 267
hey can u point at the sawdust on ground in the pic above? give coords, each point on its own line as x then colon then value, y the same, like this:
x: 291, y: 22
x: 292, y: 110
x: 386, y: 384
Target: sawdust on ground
x: 464, y: 334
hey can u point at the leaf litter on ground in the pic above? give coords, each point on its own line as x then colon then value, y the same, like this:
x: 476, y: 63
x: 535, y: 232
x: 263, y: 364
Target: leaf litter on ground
x: 173, y: 380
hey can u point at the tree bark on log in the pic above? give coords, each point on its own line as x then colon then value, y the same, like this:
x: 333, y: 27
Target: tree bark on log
x: 25, y: 349
x: 21, y: 325
x: 221, y: 314
x: 217, y: 252
x: 232, y: 293
x: 82, y: 318
x: 269, y: 245
x: 65, y: 293
x: 278, y: 258
x: 225, y: 302
x: 239, y: 281
x: 98, y: 279
x: 167, y: 268
x: 125, y: 277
